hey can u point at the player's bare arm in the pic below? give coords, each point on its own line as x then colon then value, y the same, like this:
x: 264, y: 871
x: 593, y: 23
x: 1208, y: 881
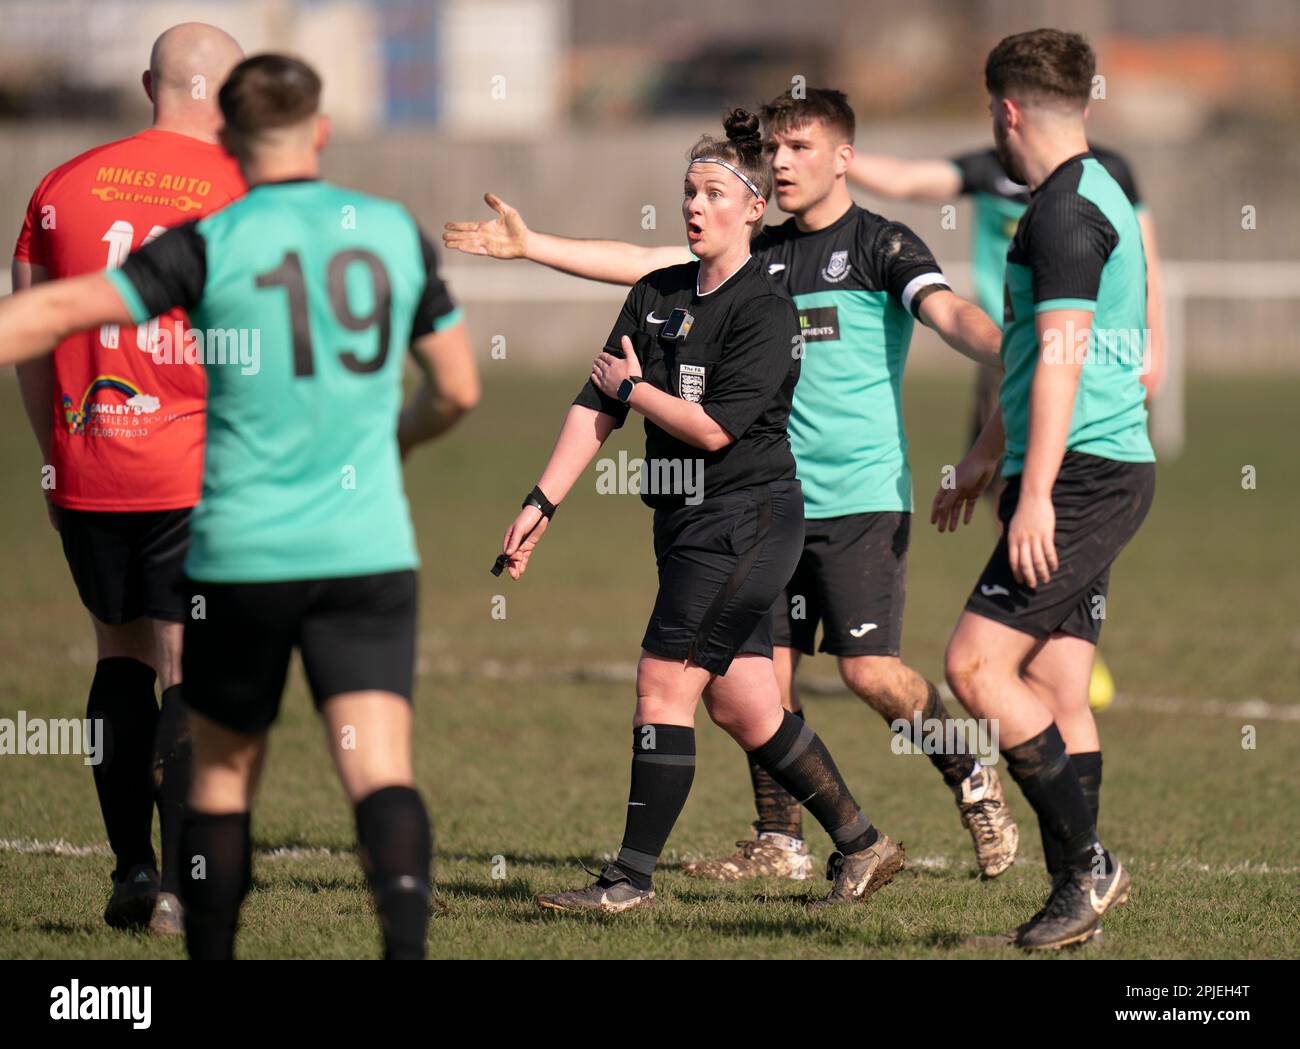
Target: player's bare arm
x: 36, y: 378
x: 1153, y: 375
x: 581, y: 436
x: 1030, y: 534
x: 895, y: 178
x: 955, y: 503
x: 33, y: 322
x: 963, y: 326
x: 508, y: 237
x: 449, y: 387
x: 684, y: 420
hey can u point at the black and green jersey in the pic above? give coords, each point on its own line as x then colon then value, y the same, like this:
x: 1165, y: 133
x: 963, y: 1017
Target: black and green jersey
x: 303, y: 298
x: 857, y: 285
x: 1079, y: 247
x: 999, y: 203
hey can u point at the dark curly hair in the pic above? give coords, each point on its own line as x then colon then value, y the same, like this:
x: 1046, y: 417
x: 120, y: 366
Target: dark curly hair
x: 743, y: 147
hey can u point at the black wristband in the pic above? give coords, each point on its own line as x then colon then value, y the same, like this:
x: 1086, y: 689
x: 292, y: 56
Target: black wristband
x: 538, y: 499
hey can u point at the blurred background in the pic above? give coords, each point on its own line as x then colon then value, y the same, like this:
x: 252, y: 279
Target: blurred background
x: 579, y: 113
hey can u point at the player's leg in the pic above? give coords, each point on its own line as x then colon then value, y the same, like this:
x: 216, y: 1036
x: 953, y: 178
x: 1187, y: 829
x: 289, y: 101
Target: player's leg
x: 369, y: 735
x: 122, y: 700
x: 99, y: 548
x: 172, y: 771
x: 357, y: 637
x: 1059, y: 674
x: 216, y: 843
x: 234, y: 661
x: 983, y: 664
x: 862, y: 577
x: 159, y: 559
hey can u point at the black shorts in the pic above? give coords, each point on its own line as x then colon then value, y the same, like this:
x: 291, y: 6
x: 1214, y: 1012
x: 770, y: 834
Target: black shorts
x: 851, y: 578
x: 722, y: 565
x: 1099, y: 503
x: 355, y: 633
x: 127, y: 564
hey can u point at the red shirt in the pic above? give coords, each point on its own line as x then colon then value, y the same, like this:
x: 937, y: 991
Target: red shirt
x: 128, y: 432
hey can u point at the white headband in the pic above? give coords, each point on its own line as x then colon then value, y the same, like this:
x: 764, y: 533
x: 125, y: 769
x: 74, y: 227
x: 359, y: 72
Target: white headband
x: 733, y: 169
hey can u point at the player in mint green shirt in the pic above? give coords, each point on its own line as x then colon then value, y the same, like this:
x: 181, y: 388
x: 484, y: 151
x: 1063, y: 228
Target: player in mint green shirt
x: 303, y: 299
x: 1079, y: 467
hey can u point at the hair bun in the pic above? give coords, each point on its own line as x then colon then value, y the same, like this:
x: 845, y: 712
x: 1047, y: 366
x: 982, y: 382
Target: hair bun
x: 742, y: 128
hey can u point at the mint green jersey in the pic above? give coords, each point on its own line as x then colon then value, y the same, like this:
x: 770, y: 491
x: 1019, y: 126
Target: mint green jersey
x: 303, y: 298
x: 857, y: 286
x: 1079, y: 247
x: 999, y: 202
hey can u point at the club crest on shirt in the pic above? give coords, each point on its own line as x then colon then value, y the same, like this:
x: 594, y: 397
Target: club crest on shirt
x: 690, y: 382
x: 837, y: 267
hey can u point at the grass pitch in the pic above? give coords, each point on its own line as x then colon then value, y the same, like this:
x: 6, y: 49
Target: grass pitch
x: 522, y: 742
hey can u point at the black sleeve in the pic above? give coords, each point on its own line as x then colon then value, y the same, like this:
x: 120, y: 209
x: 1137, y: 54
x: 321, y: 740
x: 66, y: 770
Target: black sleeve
x: 1069, y: 241
x: 980, y: 171
x: 435, y: 308
x: 757, y: 356
x: 629, y: 325
x: 169, y: 271
x: 1121, y: 173
x: 907, y: 268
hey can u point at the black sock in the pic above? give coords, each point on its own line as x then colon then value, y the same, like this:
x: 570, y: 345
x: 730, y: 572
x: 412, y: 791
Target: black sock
x: 1088, y: 768
x: 798, y: 760
x: 217, y: 853
x: 1051, y: 785
x: 122, y: 699
x: 396, y: 844
x: 663, y: 766
x: 778, y: 810
x: 954, y: 767
x: 173, y: 751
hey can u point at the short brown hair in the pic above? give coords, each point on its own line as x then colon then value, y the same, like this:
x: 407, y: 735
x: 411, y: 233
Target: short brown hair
x: 1042, y: 65
x: 830, y: 107
x: 268, y: 91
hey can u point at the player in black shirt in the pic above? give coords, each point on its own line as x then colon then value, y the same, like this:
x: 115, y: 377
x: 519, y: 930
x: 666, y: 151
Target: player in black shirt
x: 709, y: 353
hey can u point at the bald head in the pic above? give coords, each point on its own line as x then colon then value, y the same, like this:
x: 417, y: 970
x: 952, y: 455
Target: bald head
x: 187, y: 67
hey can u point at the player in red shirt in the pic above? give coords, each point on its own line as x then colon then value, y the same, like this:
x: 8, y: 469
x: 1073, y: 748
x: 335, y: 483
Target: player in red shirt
x: 120, y: 425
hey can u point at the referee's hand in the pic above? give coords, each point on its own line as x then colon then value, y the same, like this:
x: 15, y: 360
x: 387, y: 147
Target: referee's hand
x: 521, y: 538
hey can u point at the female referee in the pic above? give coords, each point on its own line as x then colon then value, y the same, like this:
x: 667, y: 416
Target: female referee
x: 709, y: 353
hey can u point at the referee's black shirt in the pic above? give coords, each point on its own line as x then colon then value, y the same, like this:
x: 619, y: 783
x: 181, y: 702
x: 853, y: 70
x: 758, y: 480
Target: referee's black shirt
x: 740, y: 361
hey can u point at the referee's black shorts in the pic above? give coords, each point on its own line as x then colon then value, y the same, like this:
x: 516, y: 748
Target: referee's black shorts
x: 722, y: 566
x: 1099, y: 504
x: 355, y: 633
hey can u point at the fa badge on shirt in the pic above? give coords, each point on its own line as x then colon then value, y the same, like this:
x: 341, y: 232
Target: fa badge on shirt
x: 837, y: 267
x: 690, y: 382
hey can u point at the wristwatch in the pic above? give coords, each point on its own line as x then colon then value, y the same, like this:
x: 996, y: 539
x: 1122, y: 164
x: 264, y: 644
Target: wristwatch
x: 626, y: 387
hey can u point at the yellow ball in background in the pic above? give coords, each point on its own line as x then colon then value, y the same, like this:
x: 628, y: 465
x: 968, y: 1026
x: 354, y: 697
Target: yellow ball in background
x: 1101, y: 689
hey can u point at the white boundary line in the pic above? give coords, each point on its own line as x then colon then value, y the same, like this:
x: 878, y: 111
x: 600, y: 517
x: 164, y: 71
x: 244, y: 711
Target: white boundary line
x: 59, y: 847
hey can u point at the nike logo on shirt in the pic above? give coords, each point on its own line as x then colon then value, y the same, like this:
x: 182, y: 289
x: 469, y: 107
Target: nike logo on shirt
x: 652, y: 319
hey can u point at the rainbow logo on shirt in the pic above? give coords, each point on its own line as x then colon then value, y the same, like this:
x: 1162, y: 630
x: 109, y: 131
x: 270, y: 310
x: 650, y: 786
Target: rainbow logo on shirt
x: 136, y: 402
